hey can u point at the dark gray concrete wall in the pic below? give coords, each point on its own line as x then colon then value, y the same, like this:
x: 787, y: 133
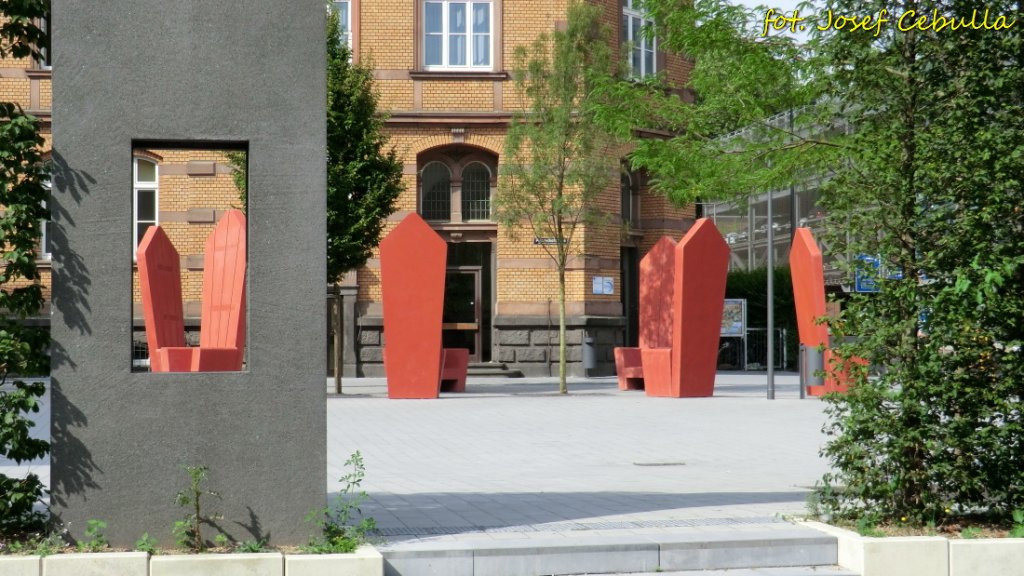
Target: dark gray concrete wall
x: 190, y: 71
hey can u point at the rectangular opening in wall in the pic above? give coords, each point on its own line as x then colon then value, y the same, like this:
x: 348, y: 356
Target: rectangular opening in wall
x: 189, y: 238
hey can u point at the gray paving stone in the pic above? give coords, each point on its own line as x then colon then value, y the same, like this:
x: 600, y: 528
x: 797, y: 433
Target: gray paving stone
x: 553, y: 557
x: 511, y: 462
x: 718, y: 550
x: 429, y: 563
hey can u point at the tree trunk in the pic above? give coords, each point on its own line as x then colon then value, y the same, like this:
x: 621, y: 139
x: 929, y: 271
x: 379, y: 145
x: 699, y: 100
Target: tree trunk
x: 562, y: 389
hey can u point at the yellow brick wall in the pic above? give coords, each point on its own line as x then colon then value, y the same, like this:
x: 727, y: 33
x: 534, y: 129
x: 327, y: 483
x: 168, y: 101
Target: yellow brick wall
x: 386, y: 33
x: 462, y: 96
x: 387, y: 42
x: 178, y: 193
x: 16, y: 90
x: 394, y: 94
x: 524, y: 285
x: 525, y: 20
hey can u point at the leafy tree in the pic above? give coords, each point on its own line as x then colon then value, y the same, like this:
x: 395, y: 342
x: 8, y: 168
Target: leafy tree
x: 933, y: 186
x: 557, y: 159
x: 916, y: 134
x: 363, y: 181
x: 22, y: 348
x: 750, y: 123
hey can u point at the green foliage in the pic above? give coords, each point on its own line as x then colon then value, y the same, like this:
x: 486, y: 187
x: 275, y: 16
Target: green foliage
x: 146, y: 544
x: 933, y: 186
x: 1017, y: 530
x: 339, y: 535
x: 866, y: 527
x: 22, y: 348
x: 221, y: 540
x: 252, y: 546
x: 36, y: 544
x: 240, y: 176
x: 971, y: 533
x: 188, y: 531
x: 558, y: 160
x: 363, y: 180
x: 19, y: 34
x: 94, y: 540
x: 730, y: 131
x: 916, y: 136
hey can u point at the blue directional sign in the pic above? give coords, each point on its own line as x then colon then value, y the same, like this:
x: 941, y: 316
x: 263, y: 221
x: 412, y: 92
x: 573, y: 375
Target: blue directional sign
x: 867, y: 281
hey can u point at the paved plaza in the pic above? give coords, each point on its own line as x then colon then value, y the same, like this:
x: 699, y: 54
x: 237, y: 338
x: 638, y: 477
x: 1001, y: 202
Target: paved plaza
x: 512, y: 459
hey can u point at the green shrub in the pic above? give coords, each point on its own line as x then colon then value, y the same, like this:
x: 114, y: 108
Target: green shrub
x: 340, y: 532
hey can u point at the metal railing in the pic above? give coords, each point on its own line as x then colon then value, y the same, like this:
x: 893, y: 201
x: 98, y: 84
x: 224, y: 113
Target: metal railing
x: 750, y: 352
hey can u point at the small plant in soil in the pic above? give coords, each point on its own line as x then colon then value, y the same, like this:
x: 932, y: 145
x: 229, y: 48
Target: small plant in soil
x: 94, y: 540
x: 188, y: 531
x: 146, y: 544
x: 340, y: 532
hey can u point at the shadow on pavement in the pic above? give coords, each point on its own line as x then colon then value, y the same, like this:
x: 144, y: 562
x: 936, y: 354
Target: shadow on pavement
x: 448, y: 513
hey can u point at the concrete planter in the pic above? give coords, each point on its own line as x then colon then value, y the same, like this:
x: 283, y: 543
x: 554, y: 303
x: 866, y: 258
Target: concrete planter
x: 21, y: 565
x: 926, y: 555
x: 982, y: 557
x: 261, y: 564
x: 366, y: 561
x: 97, y: 564
x: 902, y: 556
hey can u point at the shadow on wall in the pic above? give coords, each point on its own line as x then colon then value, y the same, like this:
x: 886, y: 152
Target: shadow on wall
x: 70, y: 307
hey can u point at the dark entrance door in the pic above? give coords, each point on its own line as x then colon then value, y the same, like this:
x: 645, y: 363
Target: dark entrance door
x: 630, y: 274
x: 460, y: 325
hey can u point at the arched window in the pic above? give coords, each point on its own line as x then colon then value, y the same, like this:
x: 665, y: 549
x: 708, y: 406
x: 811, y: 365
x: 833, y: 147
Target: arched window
x: 145, y: 198
x: 436, y: 181
x: 476, y: 192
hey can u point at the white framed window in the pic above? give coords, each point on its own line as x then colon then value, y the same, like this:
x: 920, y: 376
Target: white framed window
x: 344, y: 10
x: 145, y: 198
x: 458, y: 34
x: 643, y: 46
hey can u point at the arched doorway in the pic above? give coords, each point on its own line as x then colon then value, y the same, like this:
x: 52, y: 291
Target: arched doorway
x: 456, y: 186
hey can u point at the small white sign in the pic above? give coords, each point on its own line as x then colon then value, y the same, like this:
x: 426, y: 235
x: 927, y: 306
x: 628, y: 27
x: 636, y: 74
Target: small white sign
x: 604, y: 285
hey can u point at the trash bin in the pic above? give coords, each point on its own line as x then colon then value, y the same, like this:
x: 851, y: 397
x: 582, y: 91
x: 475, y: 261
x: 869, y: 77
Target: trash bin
x: 589, y: 353
x: 812, y: 362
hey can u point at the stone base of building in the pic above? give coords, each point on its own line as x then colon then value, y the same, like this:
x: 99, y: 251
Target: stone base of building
x: 524, y: 343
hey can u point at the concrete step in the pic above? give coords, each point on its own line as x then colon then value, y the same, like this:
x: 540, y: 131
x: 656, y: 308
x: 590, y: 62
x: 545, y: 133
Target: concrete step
x: 613, y: 551
x: 492, y: 369
x: 789, y: 571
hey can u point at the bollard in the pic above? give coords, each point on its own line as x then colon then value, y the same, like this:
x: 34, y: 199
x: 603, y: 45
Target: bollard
x: 812, y: 362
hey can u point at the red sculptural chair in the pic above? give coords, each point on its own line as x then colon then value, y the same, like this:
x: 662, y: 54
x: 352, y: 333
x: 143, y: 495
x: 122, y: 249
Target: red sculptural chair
x: 412, y: 270
x: 687, y: 367
x: 807, y: 271
x: 222, y: 329
x: 657, y: 273
x: 454, y: 367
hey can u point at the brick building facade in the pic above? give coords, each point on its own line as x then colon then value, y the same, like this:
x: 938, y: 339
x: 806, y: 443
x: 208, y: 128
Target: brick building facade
x: 443, y: 72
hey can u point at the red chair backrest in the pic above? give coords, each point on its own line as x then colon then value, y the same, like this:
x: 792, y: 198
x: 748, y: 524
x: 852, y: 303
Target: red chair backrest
x: 224, y: 264
x: 160, y: 286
